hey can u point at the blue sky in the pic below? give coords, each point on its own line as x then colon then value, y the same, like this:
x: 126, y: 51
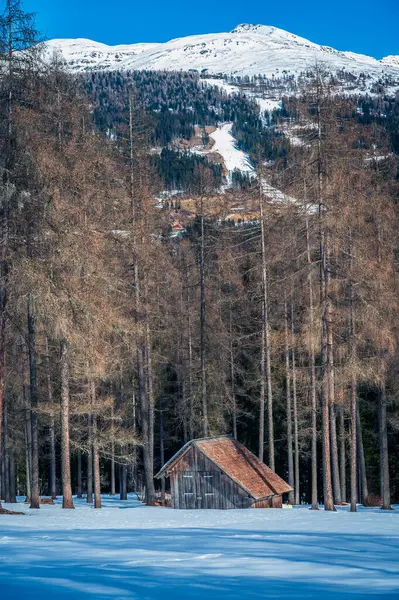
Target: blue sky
x: 368, y: 27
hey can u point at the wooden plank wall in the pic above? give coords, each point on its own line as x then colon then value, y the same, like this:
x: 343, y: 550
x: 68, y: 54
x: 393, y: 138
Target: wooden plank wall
x: 196, y: 482
x: 273, y: 502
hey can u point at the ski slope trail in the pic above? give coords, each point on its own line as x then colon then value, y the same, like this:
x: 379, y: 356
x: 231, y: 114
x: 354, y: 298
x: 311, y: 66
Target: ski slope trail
x: 226, y: 145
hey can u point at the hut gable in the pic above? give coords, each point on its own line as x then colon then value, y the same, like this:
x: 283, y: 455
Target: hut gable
x: 223, y: 473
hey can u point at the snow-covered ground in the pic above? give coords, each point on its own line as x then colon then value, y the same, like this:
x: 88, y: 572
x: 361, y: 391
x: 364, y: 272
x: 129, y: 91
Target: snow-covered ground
x: 265, y: 104
x: 226, y: 145
x: 128, y: 551
x: 223, y: 85
x: 276, y: 195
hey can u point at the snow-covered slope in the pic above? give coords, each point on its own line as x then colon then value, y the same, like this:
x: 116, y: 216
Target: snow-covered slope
x: 391, y: 61
x: 225, y: 145
x: 86, y: 55
x: 248, y: 49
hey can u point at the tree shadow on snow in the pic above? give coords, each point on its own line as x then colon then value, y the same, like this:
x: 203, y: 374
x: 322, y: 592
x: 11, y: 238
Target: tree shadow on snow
x: 181, y: 563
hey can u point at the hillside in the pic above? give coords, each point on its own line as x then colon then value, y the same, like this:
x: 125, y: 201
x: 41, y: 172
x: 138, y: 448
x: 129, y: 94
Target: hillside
x: 207, y: 121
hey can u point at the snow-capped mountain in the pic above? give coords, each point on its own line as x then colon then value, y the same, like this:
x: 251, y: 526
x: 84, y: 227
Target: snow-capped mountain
x: 247, y: 50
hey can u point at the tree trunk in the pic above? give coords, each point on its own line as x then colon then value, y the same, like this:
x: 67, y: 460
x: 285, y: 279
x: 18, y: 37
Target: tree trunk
x: 190, y: 356
x: 28, y: 455
x: 325, y: 390
x: 5, y: 475
x: 96, y: 464
x: 144, y: 412
x: 326, y: 335
x: 28, y: 435
x: 331, y: 392
x: 291, y: 495
x: 144, y: 406
x: 334, y: 456
x: 11, y: 468
x: 296, y: 432
x: 342, y: 453
x: 270, y: 424
x: 113, y: 491
x: 353, y: 383
x: 150, y: 390
x: 262, y: 396
x: 202, y: 329
x: 3, y: 297
x: 134, y: 450
x: 232, y: 375
x: 361, y: 459
x: 353, y: 467
x: 123, y: 482
x: 313, y: 391
x: 35, y: 493
x: 53, y: 477
x: 384, y: 462
x: 162, y: 450
x: 79, y: 488
x: 353, y: 389
x: 186, y: 413
x: 295, y: 407
x: 327, y: 483
x: 89, y: 491
x: 67, y: 501
x: 267, y: 337
x: 6, y: 478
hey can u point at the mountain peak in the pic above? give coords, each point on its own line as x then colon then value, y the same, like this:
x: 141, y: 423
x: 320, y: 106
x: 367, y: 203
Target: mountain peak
x: 390, y: 61
x: 246, y: 27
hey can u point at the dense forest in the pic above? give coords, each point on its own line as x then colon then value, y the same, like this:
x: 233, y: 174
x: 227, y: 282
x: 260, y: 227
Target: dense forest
x: 119, y: 343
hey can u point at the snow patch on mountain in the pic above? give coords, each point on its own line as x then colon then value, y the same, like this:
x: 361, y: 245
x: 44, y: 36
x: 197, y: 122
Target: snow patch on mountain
x: 265, y: 104
x: 226, y: 145
x: 276, y: 196
x: 223, y: 85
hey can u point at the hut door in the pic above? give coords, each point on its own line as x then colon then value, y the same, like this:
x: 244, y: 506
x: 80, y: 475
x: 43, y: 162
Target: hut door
x: 209, y: 490
x: 189, y: 500
x: 206, y: 488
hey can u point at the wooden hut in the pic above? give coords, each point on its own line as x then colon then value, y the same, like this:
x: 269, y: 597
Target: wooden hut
x: 219, y: 472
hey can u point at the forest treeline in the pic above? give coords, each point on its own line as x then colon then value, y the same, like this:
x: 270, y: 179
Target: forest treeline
x: 118, y: 343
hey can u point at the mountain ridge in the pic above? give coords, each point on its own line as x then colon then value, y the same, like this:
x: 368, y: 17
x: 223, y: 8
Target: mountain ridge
x: 246, y: 50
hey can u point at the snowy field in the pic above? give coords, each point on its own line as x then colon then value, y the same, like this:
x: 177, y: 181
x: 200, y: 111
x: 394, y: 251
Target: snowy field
x: 128, y: 551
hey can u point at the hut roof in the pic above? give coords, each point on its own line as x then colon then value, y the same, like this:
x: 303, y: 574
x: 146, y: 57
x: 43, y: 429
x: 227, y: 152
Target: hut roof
x: 243, y: 467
